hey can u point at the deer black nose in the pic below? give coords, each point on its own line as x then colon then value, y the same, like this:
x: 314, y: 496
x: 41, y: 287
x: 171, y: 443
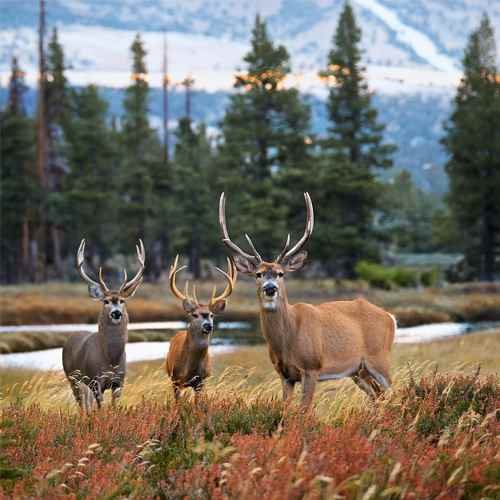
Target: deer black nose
x: 207, y: 326
x: 116, y: 314
x: 270, y: 289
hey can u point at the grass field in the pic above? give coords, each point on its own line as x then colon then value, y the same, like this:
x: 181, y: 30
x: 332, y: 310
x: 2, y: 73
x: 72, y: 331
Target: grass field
x: 435, y: 435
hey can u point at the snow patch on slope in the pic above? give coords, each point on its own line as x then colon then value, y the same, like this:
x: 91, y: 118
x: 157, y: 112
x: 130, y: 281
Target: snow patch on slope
x: 101, y: 56
x: 418, y: 41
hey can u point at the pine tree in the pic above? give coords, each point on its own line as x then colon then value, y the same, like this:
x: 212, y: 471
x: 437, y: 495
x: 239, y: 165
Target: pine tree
x: 90, y: 189
x: 58, y: 116
x: 407, y: 215
x: 264, y: 147
x: 473, y: 142
x: 351, y: 153
x: 194, y: 199
x: 57, y: 88
x: 18, y: 187
x: 141, y: 168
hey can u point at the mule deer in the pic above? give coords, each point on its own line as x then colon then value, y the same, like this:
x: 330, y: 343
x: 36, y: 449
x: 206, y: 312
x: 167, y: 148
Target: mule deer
x: 310, y: 343
x: 95, y: 362
x: 188, y: 360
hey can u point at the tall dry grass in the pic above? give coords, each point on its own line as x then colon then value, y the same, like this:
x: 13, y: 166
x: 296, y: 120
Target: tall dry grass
x: 248, y: 372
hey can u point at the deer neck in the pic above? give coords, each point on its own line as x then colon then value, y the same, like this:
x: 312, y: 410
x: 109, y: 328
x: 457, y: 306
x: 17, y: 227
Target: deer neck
x: 113, y: 338
x: 197, y: 347
x: 278, y: 325
x: 197, y: 341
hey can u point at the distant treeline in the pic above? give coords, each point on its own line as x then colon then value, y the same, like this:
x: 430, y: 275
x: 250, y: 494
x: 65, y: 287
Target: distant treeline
x: 76, y: 171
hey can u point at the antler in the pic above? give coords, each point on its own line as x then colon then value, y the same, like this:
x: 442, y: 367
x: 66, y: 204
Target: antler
x: 101, y: 281
x: 230, y: 276
x: 80, y: 260
x: 256, y: 258
x: 141, y: 256
x: 174, y: 269
x: 307, y: 233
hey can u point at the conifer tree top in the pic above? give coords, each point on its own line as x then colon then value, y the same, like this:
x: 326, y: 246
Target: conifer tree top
x: 267, y: 64
x: 138, y: 55
x: 16, y: 89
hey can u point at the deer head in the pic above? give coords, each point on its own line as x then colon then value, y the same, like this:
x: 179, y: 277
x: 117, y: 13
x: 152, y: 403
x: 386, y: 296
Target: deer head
x: 269, y: 275
x: 201, y: 316
x: 113, y: 301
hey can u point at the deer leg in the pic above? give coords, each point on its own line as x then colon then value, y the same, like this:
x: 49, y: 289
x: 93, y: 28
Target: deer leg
x: 383, y: 381
x: 198, y: 394
x: 309, y: 380
x: 95, y: 387
x: 75, y: 387
x: 288, y: 387
x: 116, y: 392
x: 362, y: 383
x: 177, y: 392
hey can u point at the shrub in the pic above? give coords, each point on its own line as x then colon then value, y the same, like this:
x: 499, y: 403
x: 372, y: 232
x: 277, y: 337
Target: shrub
x: 377, y: 276
x: 387, y: 278
x: 429, y: 278
x: 404, y: 277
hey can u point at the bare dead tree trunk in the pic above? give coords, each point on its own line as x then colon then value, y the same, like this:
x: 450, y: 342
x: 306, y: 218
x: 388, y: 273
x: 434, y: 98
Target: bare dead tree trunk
x: 41, y: 157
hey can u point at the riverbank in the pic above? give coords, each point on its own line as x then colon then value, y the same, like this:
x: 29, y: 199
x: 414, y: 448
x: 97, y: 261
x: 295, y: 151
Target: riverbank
x: 38, y: 339
x: 58, y: 303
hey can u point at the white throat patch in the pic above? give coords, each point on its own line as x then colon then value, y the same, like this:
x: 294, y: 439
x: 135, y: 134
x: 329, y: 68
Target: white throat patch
x: 270, y: 304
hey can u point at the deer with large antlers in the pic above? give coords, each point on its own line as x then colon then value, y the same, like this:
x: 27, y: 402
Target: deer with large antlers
x: 188, y: 360
x: 95, y: 362
x: 311, y: 343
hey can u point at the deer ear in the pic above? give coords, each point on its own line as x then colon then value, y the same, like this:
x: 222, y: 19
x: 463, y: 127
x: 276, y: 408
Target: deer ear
x: 244, y: 265
x: 130, y: 291
x: 217, y: 306
x: 295, y: 262
x: 95, y: 292
x: 188, y: 305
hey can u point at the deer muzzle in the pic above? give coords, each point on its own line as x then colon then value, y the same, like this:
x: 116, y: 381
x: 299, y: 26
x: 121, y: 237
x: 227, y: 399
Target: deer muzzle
x: 207, y: 327
x: 270, y: 289
x: 116, y: 315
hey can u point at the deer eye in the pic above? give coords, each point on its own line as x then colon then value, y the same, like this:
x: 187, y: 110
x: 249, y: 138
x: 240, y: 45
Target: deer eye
x: 280, y: 274
x: 121, y: 301
x: 106, y: 301
x: 194, y: 315
x: 258, y: 275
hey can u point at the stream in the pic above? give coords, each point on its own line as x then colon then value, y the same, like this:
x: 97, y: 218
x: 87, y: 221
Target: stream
x: 228, y: 338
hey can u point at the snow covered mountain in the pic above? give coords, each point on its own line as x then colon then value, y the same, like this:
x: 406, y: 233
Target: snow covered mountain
x: 409, y: 45
x: 412, y: 49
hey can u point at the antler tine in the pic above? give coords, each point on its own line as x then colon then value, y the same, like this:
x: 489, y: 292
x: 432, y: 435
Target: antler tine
x: 80, y: 260
x: 226, y: 239
x: 214, y: 291
x: 124, y: 281
x: 186, y: 290
x: 195, y: 296
x: 231, y: 280
x: 285, y: 248
x: 308, y: 230
x: 234, y: 271
x: 252, y: 246
x: 141, y: 253
x: 101, y: 281
x: 141, y: 256
x: 171, y: 277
